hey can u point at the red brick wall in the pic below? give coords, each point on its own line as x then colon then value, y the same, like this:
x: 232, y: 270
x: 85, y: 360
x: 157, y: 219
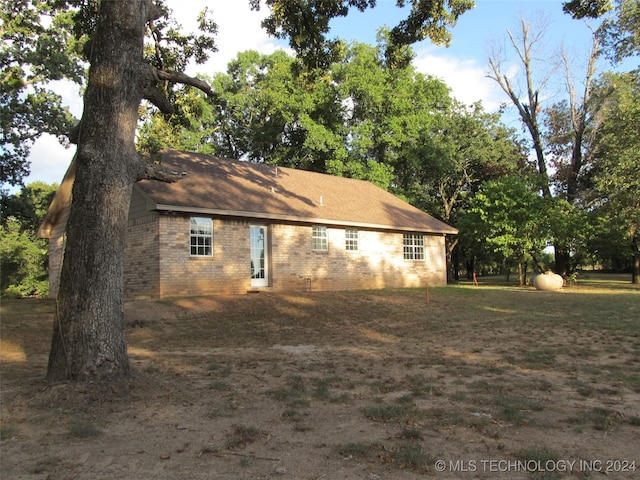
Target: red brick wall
x: 378, y: 262
x: 227, y: 271
x: 142, y: 258
x: 158, y: 262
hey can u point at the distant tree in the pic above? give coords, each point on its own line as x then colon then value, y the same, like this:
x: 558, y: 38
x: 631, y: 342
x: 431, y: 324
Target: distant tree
x: 569, y: 123
x: 465, y: 147
x: 23, y: 260
x: 29, y: 206
x: 389, y: 112
x: 23, y: 256
x: 507, y: 217
x: 616, y: 166
x: 360, y: 119
x: 619, y: 32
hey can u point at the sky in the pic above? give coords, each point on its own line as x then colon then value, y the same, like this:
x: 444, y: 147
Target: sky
x: 463, y: 65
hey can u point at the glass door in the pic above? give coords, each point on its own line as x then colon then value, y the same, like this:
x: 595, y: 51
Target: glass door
x: 259, y: 260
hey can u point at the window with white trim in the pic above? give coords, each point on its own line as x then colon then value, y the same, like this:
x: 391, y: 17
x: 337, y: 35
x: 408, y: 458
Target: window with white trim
x: 413, y: 246
x: 319, y: 239
x: 201, y: 237
x: 351, y: 240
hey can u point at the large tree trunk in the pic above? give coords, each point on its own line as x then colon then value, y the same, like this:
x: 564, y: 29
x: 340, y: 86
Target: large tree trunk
x: 88, y: 335
x: 88, y: 338
x: 522, y: 273
x: 451, y: 259
x: 562, y: 260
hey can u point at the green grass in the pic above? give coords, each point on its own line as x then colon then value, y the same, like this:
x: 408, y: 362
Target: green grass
x: 80, y: 427
x: 7, y: 432
x: 516, y: 409
x: 407, y: 453
x: 412, y: 455
x: 598, y: 418
x: 398, y: 413
x: 360, y: 450
x: 541, y: 456
x: 242, y: 436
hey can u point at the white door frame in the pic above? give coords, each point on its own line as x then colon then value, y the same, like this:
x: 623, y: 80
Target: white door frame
x: 259, y: 253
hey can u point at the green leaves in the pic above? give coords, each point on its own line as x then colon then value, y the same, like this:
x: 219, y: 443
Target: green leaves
x: 306, y: 24
x: 37, y: 47
x: 616, y: 168
x: 507, y: 217
x: 23, y: 257
x: 586, y: 8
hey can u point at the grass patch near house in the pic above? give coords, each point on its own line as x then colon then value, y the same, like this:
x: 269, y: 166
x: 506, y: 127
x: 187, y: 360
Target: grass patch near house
x: 372, y: 384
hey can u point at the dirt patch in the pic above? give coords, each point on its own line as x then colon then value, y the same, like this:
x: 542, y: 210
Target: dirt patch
x: 495, y: 383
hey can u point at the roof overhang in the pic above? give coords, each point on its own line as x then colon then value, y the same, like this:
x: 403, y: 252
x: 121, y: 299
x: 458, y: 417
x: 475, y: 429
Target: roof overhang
x: 298, y: 219
x: 60, y: 202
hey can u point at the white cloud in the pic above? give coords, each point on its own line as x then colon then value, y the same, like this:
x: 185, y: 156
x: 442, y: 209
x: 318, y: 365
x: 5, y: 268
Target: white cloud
x: 49, y: 160
x: 466, y: 78
x: 71, y: 96
x: 239, y: 29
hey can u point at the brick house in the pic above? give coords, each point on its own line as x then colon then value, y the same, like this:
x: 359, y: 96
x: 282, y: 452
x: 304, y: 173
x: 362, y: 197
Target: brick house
x: 231, y: 227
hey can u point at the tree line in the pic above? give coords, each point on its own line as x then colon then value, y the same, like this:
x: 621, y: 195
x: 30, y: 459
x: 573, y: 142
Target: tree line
x: 353, y: 110
x: 564, y: 184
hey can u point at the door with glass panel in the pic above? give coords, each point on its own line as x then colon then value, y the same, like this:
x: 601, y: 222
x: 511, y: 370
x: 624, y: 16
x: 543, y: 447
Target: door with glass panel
x: 259, y: 256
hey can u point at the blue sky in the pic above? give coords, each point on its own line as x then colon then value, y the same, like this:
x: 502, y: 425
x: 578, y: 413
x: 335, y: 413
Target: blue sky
x: 463, y: 65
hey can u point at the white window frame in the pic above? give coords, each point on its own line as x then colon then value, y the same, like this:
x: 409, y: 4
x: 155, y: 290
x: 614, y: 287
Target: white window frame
x: 201, y: 237
x: 413, y: 246
x: 319, y: 238
x: 351, y: 240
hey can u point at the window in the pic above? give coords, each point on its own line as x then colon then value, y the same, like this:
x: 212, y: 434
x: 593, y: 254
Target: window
x: 413, y: 246
x: 201, y: 236
x: 319, y: 240
x: 351, y: 240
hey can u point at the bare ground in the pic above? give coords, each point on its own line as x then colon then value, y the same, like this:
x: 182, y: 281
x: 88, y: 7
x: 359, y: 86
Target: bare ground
x: 496, y: 383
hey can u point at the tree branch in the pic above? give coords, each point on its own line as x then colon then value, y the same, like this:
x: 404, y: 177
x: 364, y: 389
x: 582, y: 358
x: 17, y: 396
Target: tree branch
x: 150, y: 170
x: 179, y: 77
x: 157, y: 97
x: 155, y: 12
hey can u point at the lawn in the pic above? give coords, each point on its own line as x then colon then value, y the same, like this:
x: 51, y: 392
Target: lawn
x: 486, y: 381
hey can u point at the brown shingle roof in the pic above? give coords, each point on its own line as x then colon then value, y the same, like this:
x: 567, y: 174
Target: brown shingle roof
x: 231, y: 187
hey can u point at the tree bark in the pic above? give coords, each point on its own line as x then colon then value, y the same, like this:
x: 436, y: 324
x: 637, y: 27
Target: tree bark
x: 451, y: 268
x: 522, y: 273
x: 88, y: 342
x: 88, y: 339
